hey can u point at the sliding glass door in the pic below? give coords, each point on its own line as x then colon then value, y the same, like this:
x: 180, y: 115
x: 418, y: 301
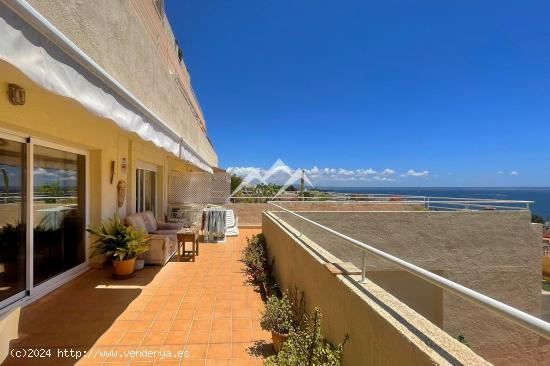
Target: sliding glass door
x: 42, y: 214
x: 12, y: 219
x: 146, y: 181
x: 58, y: 212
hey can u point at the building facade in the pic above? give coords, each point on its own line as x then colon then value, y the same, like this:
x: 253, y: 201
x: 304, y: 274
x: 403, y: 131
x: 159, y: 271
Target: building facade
x: 98, y: 111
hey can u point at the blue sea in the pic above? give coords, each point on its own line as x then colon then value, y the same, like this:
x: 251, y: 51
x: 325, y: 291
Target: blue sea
x: 541, y: 195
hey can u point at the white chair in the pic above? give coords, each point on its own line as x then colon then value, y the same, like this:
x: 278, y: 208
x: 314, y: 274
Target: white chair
x: 231, y: 223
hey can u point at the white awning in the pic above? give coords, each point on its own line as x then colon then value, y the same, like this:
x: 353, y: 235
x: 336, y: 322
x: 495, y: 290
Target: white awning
x: 34, y: 46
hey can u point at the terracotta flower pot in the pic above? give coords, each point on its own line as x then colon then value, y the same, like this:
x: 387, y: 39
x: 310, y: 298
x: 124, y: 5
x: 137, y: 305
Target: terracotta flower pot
x: 278, y: 340
x: 124, y: 268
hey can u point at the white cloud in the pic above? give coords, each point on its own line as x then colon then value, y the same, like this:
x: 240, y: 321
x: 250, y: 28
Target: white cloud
x: 280, y: 172
x: 383, y: 179
x: 413, y: 173
x: 44, y: 172
x: 500, y: 172
x: 514, y: 172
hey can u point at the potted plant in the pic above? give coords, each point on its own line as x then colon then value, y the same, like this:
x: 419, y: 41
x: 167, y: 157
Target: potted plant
x: 122, y: 244
x: 307, y: 346
x: 278, y: 318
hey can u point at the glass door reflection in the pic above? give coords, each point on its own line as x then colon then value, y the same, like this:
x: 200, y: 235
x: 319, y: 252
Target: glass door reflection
x: 59, y: 212
x: 12, y: 219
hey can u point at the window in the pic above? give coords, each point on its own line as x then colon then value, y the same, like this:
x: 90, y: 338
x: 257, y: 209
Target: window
x: 146, y: 182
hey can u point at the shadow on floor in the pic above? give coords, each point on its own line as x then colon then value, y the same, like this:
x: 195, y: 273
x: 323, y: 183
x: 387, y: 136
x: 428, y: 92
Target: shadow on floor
x: 75, y: 315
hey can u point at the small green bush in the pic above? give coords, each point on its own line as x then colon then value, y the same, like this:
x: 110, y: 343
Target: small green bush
x: 254, y: 257
x: 307, y: 347
x: 277, y: 315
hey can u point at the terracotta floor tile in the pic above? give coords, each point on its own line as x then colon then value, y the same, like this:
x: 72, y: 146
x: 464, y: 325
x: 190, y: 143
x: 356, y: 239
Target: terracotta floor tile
x: 222, y: 313
x: 148, y: 315
x: 219, y: 351
x: 221, y: 324
x: 203, y: 314
x: 220, y: 336
x: 161, y: 325
x: 241, y: 323
x: 167, y: 363
x: 139, y: 325
x: 199, y: 337
x: 196, y: 351
x: 222, y: 362
x: 201, y: 325
x: 154, y: 338
x: 241, y: 335
x: 131, y: 338
x: 185, y: 314
x: 166, y: 315
x: 176, y: 337
x: 182, y: 325
x: 243, y: 350
x: 187, y: 362
x: 243, y: 362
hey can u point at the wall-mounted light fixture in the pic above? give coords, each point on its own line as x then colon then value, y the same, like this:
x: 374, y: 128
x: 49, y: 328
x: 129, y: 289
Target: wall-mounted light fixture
x: 16, y: 94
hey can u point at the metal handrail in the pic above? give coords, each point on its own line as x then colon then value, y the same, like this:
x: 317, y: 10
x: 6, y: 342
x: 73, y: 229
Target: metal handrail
x: 519, y: 317
x: 365, y: 200
x: 450, y: 204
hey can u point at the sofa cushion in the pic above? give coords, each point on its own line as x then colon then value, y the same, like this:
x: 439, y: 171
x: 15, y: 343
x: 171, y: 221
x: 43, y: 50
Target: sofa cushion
x: 172, y: 234
x: 136, y: 221
x: 150, y: 221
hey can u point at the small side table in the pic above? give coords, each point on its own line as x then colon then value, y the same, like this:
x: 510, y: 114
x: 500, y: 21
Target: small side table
x: 188, y: 234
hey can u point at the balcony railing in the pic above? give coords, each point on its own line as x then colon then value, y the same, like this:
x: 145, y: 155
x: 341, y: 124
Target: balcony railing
x: 341, y: 202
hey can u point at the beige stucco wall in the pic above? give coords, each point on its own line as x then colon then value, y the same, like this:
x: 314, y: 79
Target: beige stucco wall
x: 494, y: 252
x: 382, y: 330
x: 116, y: 36
x: 63, y: 121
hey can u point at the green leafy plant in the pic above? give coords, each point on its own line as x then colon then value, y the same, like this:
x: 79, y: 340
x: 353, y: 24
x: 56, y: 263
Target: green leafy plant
x: 278, y: 315
x: 117, y: 241
x: 254, y: 257
x: 307, y: 347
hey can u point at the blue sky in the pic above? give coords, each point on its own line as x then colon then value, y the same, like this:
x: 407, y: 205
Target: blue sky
x: 460, y: 90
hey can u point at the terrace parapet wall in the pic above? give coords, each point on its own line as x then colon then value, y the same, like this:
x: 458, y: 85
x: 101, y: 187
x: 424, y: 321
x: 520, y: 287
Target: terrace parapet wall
x: 382, y: 329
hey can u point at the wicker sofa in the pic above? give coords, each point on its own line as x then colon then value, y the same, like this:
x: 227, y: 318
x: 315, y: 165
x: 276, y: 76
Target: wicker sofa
x: 163, y: 236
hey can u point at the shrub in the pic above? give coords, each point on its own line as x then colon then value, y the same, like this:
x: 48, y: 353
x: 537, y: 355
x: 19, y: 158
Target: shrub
x: 278, y: 315
x: 307, y: 347
x: 255, y: 258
